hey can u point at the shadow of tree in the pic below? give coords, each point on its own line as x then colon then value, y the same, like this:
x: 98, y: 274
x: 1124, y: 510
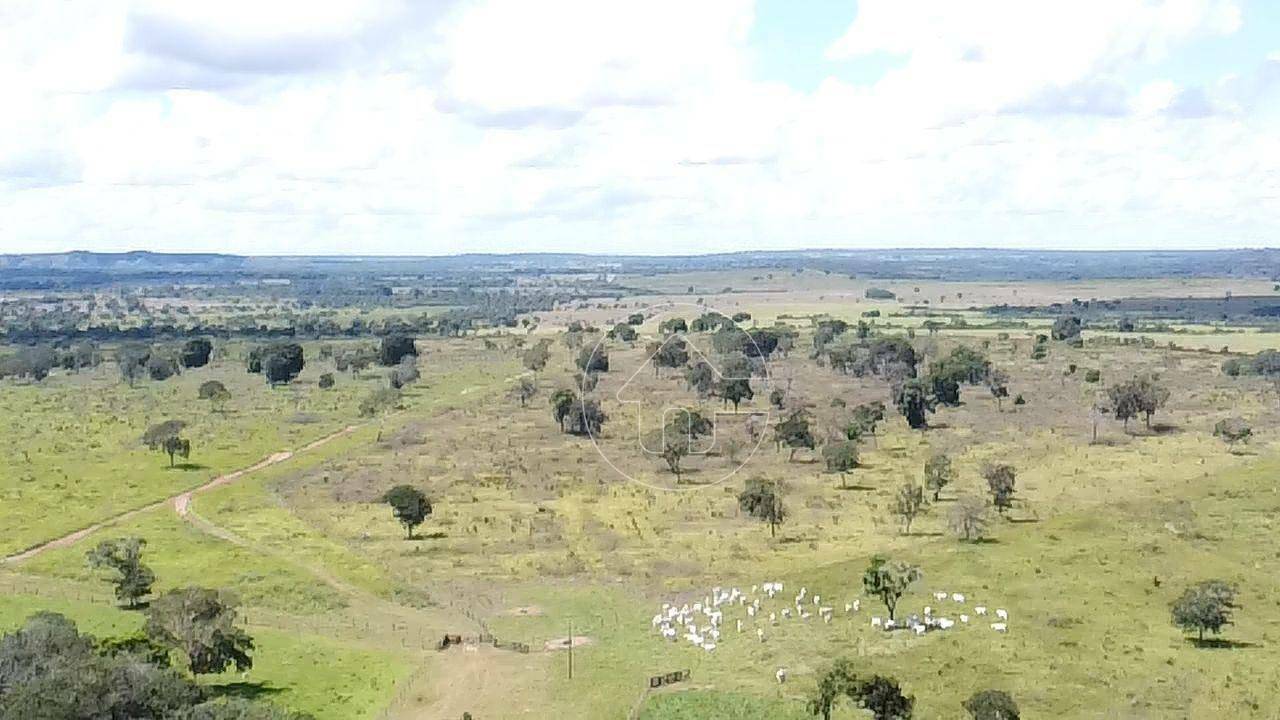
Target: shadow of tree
x: 1221, y: 644
x: 244, y: 690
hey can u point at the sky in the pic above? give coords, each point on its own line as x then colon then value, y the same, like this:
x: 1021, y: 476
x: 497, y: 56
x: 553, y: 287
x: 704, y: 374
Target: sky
x: 660, y: 127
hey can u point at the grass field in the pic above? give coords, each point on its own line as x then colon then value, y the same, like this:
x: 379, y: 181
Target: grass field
x: 534, y: 533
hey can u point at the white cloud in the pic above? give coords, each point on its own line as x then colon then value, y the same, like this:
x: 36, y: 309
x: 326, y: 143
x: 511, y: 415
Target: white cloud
x: 608, y: 126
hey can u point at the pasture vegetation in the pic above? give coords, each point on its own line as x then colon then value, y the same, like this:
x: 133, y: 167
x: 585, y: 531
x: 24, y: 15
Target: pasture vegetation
x: 479, y: 486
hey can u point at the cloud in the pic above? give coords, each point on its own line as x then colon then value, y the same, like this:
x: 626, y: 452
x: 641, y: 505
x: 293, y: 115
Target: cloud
x: 435, y: 127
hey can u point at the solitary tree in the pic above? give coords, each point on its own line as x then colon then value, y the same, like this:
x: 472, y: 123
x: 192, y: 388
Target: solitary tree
x: 535, y: 358
x: 991, y: 705
x: 1232, y: 431
x: 938, y: 473
x: 593, y: 360
x: 794, y: 433
x: 1143, y: 395
x: 968, y: 518
x: 888, y: 580
x: 123, y: 556
x: 1205, y: 606
x: 394, y: 348
x: 409, y: 505
x: 762, y: 499
x: 562, y: 402
x: 841, y: 457
x: 216, y: 393
x: 195, y: 353
x: 166, y: 436
x: 525, y: 390
x: 1000, y: 480
x: 201, y: 624
x: 914, y: 401
x: 998, y: 385
x: 908, y: 504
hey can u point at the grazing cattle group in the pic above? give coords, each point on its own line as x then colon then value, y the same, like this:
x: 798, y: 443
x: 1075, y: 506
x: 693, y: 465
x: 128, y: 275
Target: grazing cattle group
x: 699, y: 622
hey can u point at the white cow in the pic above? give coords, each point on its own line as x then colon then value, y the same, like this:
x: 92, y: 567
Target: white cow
x: 964, y: 618
x: 760, y: 634
x: 939, y: 596
x: 875, y: 622
x: 999, y: 627
x: 981, y: 610
x: 1002, y: 613
x: 957, y: 597
x: 781, y: 675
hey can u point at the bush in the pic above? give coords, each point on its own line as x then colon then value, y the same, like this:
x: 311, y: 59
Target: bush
x: 1092, y: 375
x: 326, y: 381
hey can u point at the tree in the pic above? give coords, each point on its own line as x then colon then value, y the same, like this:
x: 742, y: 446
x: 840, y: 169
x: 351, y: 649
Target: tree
x: 624, y: 332
x: 123, y: 556
x: 405, y: 372
x: 883, y: 697
x: 673, y: 325
x: 1141, y: 395
x: 914, y: 401
x: 794, y: 433
x: 585, y: 418
x: 49, y: 671
x: 326, y: 381
x: 908, y: 504
x: 762, y: 499
x: 195, y: 353
x: 279, y: 362
x: 968, y: 518
x: 841, y: 457
x: 673, y: 352
x: 840, y: 680
x: 635, y: 319
x: 535, y: 358
x: 701, y: 378
x: 1000, y: 481
x: 394, y: 348
x: 378, y: 400
x: 998, y: 386
x: 938, y: 473
x: 132, y: 361
x: 409, y: 505
x: 593, y: 360
x: 1066, y: 328
x: 735, y: 386
x: 991, y: 705
x: 562, y: 401
x: 201, y: 624
x: 1205, y: 606
x: 888, y: 580
x: 1232, y: 431
x: 216, y: 393
x: 166, y: 436
x: 160, y: 367
x: 865, y: 418
x: 525, y: 389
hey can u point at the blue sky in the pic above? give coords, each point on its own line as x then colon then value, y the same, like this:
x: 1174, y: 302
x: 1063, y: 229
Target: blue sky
x: 390, y: 126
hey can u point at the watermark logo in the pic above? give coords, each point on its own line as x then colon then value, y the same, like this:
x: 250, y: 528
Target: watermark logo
x: 667, y: 431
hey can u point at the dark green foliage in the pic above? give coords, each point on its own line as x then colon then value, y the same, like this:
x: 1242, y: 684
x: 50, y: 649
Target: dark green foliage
x: 888, y: 580
x: 1066, y: 328
x: 762, y: 499
x: 326, y: 381
x: 730, y: 340
x: 623, y: 332
x: 635, y: 319
x: 883, y: 697
x: 200, y: 623
x: 991, y: 705
x: 735, y: 386
x: 1019, y: 400
x: 279, y: 362
x: 160, y: 367
x: 1143, y: 395
x: 839, y: 681
x: 410, y: 506
x: 1205, y: 606
x: 1092, y: 375
x: 864, y: 419
x: 710, y: 322
x: 1232, y: 431
x: 49, y: 671
x: 741, y: 317
x: 777, y: 398
x: 886, y: 352
x: 166, y: 436
x: 585, y: 418
x: 404, y: 373
x: 593, y: 360
x: 525, y: 389
x: 210, y: 389
x: 394, y: 348
x: 827, y: 331
x: 562, y: 402
x: 841, y: 457
x: 673, y: 352
x: 875, y: 293
x: 701, y: 378
x: 672, y: 325
x: 1000, y: 481
x: 914, y: 400
x: 123, y: 557
x: 794, y: 433
x: 195, y: 353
